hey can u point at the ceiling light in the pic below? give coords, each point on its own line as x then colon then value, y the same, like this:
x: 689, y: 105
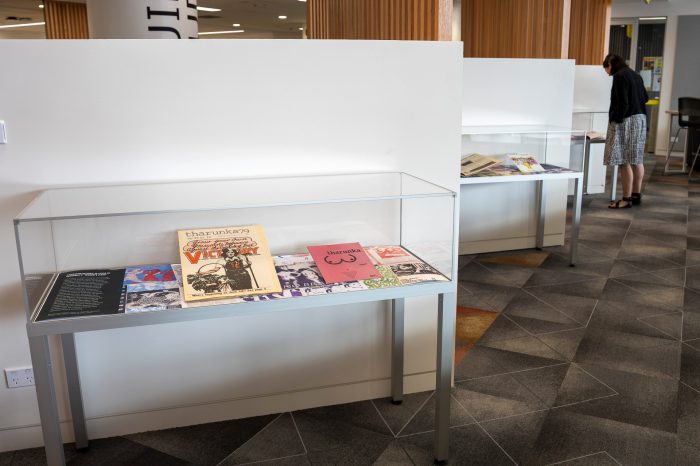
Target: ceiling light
x: 221, y: 32
x: 206, y: 8
x: 41, y: 6
x: 301, y: 29
x: 282, y: 17
x: 236, y: 25
x: 302, y: 0
x: 652, y: 18
x: 21, y: 25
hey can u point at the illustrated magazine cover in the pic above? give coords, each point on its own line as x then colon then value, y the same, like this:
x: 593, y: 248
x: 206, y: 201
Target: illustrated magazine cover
x: 226, y: 262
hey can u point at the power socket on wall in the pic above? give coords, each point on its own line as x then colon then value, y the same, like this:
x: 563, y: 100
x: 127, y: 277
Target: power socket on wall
x: 20, y: 377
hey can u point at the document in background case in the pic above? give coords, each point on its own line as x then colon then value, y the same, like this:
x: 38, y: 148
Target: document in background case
x: 526, y: 163
x: 343, y: 262
x: 84, y: 293
x: 226, y: 262
x: 474, y: 163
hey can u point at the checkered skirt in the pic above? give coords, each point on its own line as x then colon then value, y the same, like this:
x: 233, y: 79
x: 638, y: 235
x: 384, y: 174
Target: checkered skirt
x: 624, y: 143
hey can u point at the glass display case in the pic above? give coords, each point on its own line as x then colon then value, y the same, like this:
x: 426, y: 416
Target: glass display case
x: 98, y: 228
x: 552, y: 158
x: 595, y: 124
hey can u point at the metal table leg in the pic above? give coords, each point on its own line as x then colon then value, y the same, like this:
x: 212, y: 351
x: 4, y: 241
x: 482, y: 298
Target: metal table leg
x: 614, y: 183
x: 541, y: 201
x: 447, y: 310
x: 586, y: 164
x: 46, y: 397
x: 74, y: 393
x: 575, y: 221
x: 397, y: 337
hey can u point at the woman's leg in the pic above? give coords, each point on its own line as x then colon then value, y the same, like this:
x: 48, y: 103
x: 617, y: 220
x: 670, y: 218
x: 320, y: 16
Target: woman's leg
x: 638, y: 176
x: 626, y: 173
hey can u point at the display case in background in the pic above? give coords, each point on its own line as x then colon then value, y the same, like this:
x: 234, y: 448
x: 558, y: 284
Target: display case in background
x: 100, y: 227
x: 512, y: 214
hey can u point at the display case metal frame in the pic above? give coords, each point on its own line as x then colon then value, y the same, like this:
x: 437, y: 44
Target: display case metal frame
x: 38, y: 333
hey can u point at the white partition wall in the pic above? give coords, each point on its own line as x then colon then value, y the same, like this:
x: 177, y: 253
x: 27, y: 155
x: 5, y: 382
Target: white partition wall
x: 110, y: 112
x: 591, y: 102
x: 510, y: 93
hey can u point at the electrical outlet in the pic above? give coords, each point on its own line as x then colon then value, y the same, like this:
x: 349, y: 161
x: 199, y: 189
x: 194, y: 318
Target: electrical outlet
x: 20, y: 377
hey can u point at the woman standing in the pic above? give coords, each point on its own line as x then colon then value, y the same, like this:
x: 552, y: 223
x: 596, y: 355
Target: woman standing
x: 624, y: 144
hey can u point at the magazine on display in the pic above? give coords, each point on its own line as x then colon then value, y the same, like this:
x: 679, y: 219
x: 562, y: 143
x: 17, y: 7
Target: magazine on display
x: 84, y: 293
x: 526, y: 163
x: 343, y: 262
x: 226, y: 262
x: 474, y: 163
x: 151, y: 288
x: 407, y: 268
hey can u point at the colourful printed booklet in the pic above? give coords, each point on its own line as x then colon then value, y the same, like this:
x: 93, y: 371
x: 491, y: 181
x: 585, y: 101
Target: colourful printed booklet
x: 343, y: 262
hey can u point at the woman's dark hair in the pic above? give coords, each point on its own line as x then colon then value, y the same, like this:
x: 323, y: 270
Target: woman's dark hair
x: 615, y: 62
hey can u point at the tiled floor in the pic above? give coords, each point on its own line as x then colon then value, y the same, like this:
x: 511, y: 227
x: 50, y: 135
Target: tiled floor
x: 593, y: 365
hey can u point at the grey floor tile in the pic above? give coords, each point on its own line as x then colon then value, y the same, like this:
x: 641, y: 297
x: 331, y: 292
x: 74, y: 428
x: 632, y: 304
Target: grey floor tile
x: 120, y: 451
x: 687, y: 455
x: 566, y: 435
x: 356, y: 454
x: 692, y: 257
x: 585, y: 289
x: 692, y: 277
x: 496, y: 397
x: 602, y: 458
x: 693, y: 241
x: 597, y: 269
x: 398, y: 415
x: 675, y: 276
x: 503, y: 328
x: 206, y: 443
x: 464, y: 259
x: 670, y: 324
x: 668, y: 228
x: 565, y: 343
x: 672, y: 215
x: 689, y: 415
x: 394, y: 455
x: 648, y: 263
x: 690, y: 366
x: 639, y: 354
x: 556, y: 277
x: 641, y: 400
x: 536, y: 316
x: 481, y: 361
x: 279, y: 439
x: 563, y: 385
x: 638, y: 247
x: 576, y: 307
x: 691, y: 326
x: 341, y: 426
x: 693, y: 344
x: 424, y: 420
x: 468, y: 446
x: 647, y: 283
x: 522, y: 354
x: 622, y: 317
x: 482, y: 296
x: 516, y: 434
x: 299, y: 460
x: 691, y: 300
x: 495, y: 274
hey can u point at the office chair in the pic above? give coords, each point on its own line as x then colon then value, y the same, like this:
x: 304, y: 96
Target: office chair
x: 688, y: 119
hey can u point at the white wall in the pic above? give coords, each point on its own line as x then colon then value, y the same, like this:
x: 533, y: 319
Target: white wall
x: 672, y: 9
x: 93, y: 112
x: 508, y: 93
x: 591, y: 103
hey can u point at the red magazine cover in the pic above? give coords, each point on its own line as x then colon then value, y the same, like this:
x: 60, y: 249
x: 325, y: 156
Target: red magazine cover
x: 343, y: 262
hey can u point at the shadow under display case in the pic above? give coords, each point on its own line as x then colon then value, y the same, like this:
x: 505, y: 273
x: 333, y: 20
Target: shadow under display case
x: 512, y: 214
x: 104, y: 228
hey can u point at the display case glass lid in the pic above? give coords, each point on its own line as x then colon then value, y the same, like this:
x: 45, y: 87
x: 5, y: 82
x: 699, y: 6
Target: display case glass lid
x: 134, y: 199
x: 510, y: 129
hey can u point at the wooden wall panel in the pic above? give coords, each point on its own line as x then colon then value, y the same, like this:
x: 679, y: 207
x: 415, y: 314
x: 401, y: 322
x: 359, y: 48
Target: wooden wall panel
x: 379, y: 19
x: 590, y: 26
x: 65, y: 20
x: 515, y: 28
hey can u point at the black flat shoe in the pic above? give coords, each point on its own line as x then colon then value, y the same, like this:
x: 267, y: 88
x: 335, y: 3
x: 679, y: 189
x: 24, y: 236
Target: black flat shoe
x: 624, y: 203
x: 636, y: 198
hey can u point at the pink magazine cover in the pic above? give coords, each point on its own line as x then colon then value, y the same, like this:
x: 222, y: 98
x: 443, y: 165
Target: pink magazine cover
x: 343, y: 262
